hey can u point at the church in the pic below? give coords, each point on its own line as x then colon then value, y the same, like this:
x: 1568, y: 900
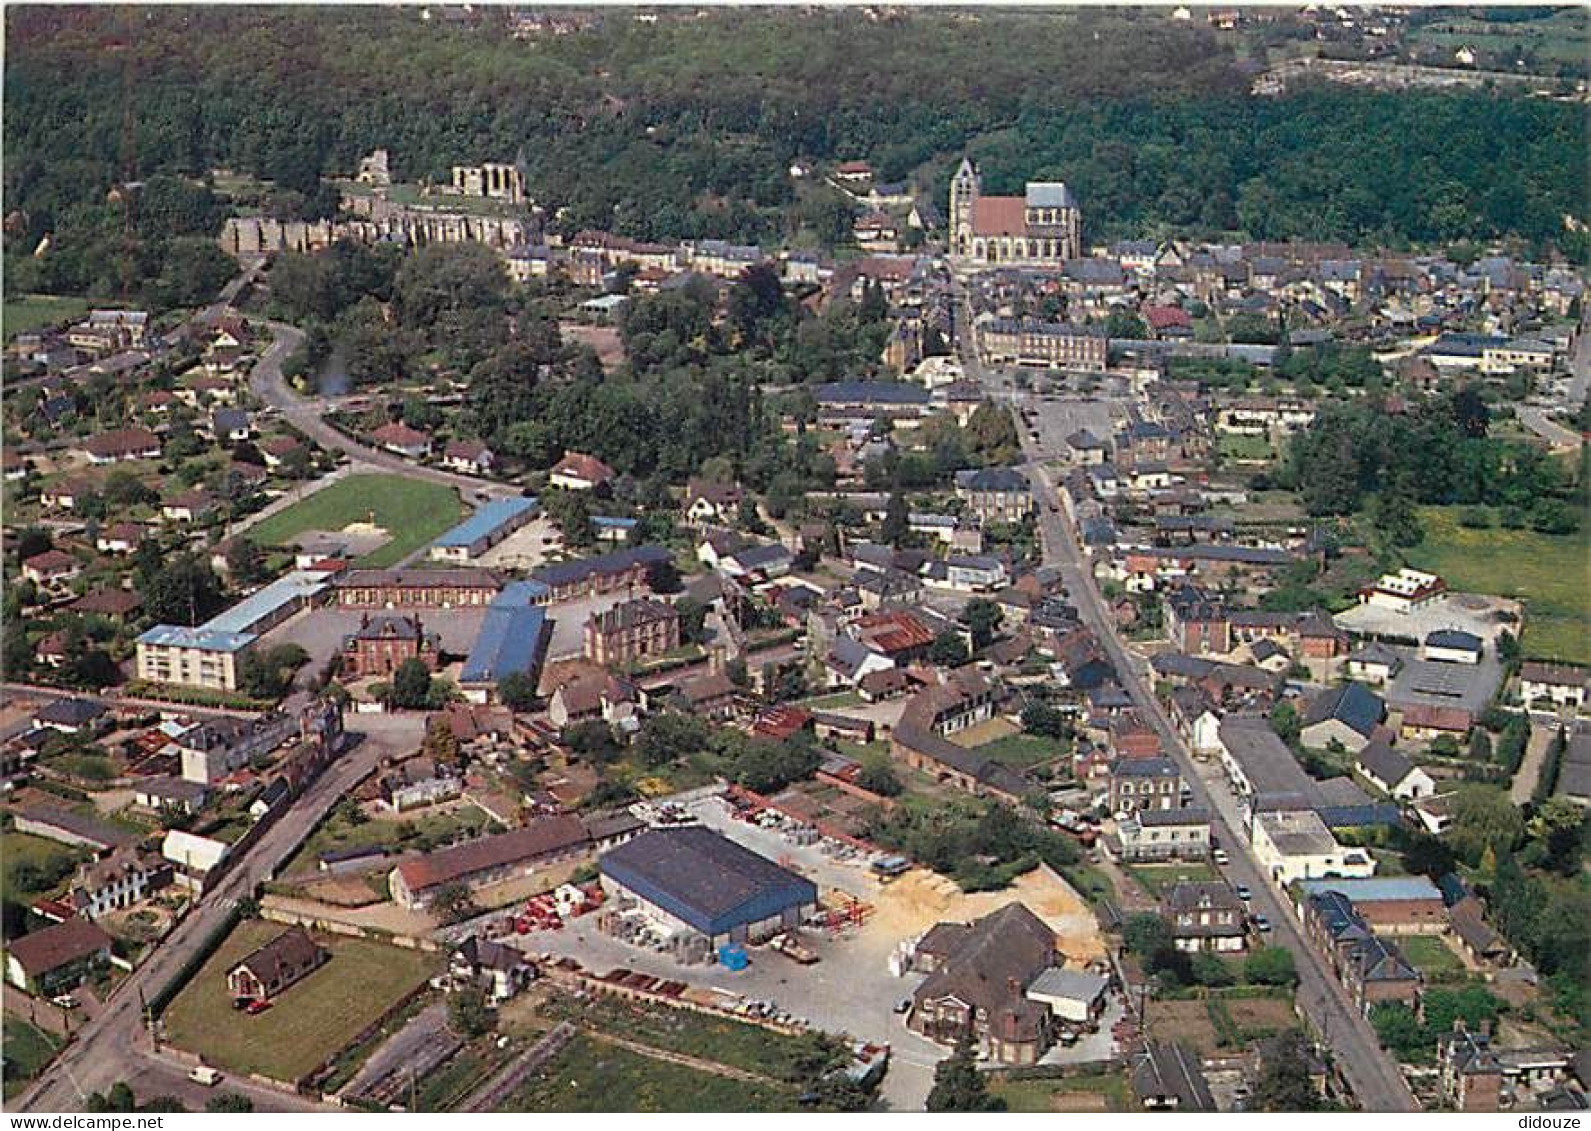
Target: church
x: 1042, y: 228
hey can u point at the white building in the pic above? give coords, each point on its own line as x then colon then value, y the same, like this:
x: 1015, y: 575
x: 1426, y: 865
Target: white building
x: 1297, y: 845
x: 1404, y: 591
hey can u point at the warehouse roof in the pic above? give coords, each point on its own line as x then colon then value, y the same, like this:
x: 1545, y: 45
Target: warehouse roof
x: 513, y: 637
x: 489, y: 519
x: 704, y: 879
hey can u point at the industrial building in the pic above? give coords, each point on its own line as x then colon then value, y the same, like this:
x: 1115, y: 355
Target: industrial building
x: 700, y: 890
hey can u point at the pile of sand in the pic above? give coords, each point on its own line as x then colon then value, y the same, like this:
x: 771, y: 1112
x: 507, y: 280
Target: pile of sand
x: 916, y: 901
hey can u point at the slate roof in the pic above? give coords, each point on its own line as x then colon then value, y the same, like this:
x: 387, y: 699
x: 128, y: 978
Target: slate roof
x: 1352, y: 704
x: 1379, y: 761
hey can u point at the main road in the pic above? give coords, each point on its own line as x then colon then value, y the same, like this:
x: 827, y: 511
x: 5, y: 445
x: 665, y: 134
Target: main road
x: 1369, y: 1071
x: 115, y: 1045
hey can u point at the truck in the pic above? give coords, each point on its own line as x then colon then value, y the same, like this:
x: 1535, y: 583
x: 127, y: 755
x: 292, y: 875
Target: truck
x: 792, y: 948
x: 204, y: 1074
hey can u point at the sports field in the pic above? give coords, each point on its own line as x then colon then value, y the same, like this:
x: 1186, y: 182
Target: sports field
x: 311, y: 1021
x: 412, y: 512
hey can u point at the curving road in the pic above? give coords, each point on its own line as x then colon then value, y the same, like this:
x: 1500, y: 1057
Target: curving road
x: 1369, y: 1071
x: 267, y: 382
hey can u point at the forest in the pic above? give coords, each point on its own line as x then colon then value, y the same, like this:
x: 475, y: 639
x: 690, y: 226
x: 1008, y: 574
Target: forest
x: 686, y: 128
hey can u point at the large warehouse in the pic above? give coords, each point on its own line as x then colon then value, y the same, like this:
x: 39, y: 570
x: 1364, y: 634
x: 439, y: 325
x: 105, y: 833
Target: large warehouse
x: 692, y: 881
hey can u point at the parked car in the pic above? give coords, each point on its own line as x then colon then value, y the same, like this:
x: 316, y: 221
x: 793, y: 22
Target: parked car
x: 204, y: 1074
x: 904, y: 1005
x: 1243, y: 893
x: 1220, y: 857
x: 1262, y: 924
x: 258, y: 1005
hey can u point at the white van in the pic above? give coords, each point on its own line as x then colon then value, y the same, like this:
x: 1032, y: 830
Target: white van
x: 205, y: 1075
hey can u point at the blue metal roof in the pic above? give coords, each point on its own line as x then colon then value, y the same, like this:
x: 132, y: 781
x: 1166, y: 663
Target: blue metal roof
x: 206, y: 639
x: 299, y: 585
x: 487, y: 521
x: 512, y: 639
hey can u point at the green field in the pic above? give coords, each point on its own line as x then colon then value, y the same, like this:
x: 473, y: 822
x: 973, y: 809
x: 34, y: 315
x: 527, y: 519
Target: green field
x: 1021, y: 751
x: 1559, y: 38
x: 412, y: 512
x: 1160, y: 878
x: 310, y: 1022
x: 1041, y: 1095
x: 1244, y: 447
x: 27, y: 1050
x: 1552, y: 575
x: 1431, y: 957
x: 590, y: 1075
x: 35, y: 312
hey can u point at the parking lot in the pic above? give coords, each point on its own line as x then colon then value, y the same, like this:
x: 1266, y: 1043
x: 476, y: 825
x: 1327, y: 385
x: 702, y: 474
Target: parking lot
x: 526, y: 548
x: 320, y: 632
x: 1469, y: 612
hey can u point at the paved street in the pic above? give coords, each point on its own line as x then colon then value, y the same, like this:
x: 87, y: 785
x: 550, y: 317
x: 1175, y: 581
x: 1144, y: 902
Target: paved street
x: 304, y: 413
x: 115, y: 1045
x: 1371, y: 1073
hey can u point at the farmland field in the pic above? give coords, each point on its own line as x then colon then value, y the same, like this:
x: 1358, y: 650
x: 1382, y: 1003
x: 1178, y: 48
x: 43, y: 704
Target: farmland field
x: 310, y: 1021
x: 412, y: 512
x: 590, y: 1075
x: 35, y: 312
x: 1548, y: 573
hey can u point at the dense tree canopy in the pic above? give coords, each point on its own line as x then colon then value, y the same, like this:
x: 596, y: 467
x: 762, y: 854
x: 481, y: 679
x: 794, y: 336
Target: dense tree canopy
x: 685, y: 128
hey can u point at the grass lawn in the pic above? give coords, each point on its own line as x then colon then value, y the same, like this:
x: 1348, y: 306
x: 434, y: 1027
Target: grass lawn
x: 1431, y: 956
x: 1046, y: 1095
x: 590, y: 1075
x: 34, y: 312
x: 311, y: 1020
x: 1548, y: 573
x: 28, y: 860
x: 1021, y: 751
x: 832, y: 702
x: 1254, y: 448
x: 415, y: 832
x: 1159, y: 878
x: 412, y: 512
x: 27, y: 1050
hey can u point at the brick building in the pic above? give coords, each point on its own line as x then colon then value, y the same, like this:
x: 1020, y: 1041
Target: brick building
x: 631, y: 631
x: 384, y: 642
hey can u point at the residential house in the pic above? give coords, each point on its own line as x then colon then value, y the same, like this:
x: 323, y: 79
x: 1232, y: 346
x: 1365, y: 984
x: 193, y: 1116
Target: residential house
x: 1392, y: 773
x: 399, y: 438
x: 471, y: 457
x: 1145, y: 783
x: 1558, y: 686
x: 579, y: 472
x: 1348, y: 714
x: 1164, y: 834
x: 978, y: 974
x: 57, y: 958
x: 497, y: 968
x: 1206, y: 915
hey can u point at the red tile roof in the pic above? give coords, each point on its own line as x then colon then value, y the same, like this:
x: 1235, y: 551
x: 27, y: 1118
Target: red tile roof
x: 999, y: 216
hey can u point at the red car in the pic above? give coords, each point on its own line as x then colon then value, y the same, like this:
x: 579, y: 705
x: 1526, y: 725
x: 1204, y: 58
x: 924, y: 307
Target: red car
x: 258, y: 1005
